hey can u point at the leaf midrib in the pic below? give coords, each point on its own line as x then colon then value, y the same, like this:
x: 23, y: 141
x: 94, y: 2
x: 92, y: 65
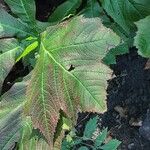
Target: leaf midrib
x: 61, y: 66
x: 25, y: 11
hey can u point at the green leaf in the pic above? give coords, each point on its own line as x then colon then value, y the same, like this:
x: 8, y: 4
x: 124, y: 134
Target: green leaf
x: 110, y: 57
x: 142, y: 38
x: 10, y: 126
x: 69, y: 74
x: 11, y: 115
x: 126, y: 12
x: 24, y: 9
x: 10, y: 26
x: 100, y: 138
x: 8, y: 50
x: 107, y: 21
x: 66, y: 145
x: 92, y: 9
x: 83, y: 148
x: 65, y: 9
x: 67, y: 124
x: 28, y: 49
x: 12, y: 121
x: 77, y: 141
x: 41, y: 26
x: 90, y: 127
x: 111, y: 145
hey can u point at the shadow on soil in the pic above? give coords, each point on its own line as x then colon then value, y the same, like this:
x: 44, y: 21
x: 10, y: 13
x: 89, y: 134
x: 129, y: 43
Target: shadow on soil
x: 128, y: 101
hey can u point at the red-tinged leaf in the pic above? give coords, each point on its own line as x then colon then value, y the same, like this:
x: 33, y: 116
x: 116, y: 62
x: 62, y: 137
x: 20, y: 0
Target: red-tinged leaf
x: 69, y: 74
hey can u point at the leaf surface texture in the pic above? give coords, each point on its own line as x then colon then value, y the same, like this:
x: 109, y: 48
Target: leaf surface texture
x: 69, y: 74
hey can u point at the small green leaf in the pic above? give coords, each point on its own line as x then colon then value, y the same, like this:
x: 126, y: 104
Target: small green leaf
x: 111, y: 145
x: 66, y: 145
x: 30, y: 38
x: 100, y: 138
x: 77, y: 141
x: 90, y: 127
x: 29, y: 49
x: 67, y: 123
x: 83, y: 148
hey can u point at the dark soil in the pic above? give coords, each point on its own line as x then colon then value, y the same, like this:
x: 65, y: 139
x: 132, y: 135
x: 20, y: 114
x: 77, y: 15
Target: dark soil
x: 130, y: 89
x: 45, y: 7
x: 130, y: 92
x: 18, y: 70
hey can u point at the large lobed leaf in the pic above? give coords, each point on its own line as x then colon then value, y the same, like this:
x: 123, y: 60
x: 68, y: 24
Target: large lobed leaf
x: 69, y: 74
x: 142, y: 39
x: 126, y: 12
